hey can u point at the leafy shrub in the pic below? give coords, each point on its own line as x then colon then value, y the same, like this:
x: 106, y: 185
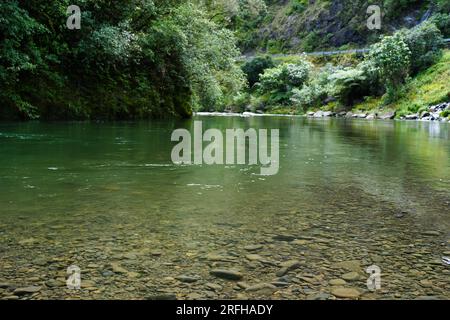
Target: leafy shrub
x: 254, y: 68
x: 391, y: 58
x: 424, y: 42
x: 442, y: 21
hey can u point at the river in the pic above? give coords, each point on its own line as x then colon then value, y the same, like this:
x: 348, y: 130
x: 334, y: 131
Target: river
x: 106, y: 197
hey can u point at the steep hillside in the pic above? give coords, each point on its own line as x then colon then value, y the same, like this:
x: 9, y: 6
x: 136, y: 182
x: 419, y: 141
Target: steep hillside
x: 294, y: 25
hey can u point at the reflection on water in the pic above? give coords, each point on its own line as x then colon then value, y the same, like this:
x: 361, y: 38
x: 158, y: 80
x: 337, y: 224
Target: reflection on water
x: 91, y: 194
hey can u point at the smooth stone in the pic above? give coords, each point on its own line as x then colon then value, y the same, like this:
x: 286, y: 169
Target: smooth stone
x: 429, y: 298
x: 290, y: 264
x: 346, y: 293
x: 214, y: 286
x: 284, y: 237
x: 254, y: 257
x: 351, y: 276
x: 26, y: 290
x: 351, y: 265
x: 318, y: 296
x: 187, y: 279
x: 280, y: 284
x: 426, y: 283
x: 54, y: 283
x: 243, y: 285
x: 227, y: 274
x: 261, y: 287
x: 431, y: 233
x: 162, y: 296
x: 194, y: 296
x: 117, y: 268
x: 5, y: 285
x: 88, y: 284
x: 10, y: 298
x: 256, y: 247
x: 337, y: 282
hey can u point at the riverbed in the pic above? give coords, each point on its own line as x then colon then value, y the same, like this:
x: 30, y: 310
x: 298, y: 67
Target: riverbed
x: 107, y: 198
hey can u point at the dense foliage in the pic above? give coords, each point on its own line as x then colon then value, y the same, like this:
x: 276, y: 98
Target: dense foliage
x: 384, y: 71
x: 131, y: 59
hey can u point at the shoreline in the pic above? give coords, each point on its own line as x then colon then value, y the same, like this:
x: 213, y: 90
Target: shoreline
x: 432, y: 115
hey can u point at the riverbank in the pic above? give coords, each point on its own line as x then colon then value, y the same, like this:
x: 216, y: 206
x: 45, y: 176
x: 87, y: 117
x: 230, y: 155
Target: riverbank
x: 436, y: 113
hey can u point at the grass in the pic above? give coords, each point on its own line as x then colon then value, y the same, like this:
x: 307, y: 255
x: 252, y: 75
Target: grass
x: 428, y: 88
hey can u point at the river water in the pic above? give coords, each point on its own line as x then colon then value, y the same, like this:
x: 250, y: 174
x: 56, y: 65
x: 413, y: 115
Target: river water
x: 107, y: 198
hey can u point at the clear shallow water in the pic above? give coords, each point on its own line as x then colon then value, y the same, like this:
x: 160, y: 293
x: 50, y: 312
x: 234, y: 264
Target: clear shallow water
x: 89, y: 194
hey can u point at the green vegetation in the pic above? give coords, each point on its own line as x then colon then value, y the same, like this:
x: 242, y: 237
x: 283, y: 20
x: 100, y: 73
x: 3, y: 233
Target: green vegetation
x: 154, y: 58
x: 430, y: 87
x: 383, y: 75
x: 131, y: 59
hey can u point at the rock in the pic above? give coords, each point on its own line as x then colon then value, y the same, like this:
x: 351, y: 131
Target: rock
x: 318, y: 114
x: 219, y: 258
x: 163, y: 296
x: 194, y: 296
x: 10, y: 298
x: 346, y: 293
x: 318, y: 296
x: 214, y: 286
x: 256, y: 247
x: 254, y: 257
x: 351, y: 265
x: 424, y: 114
x: 117, y: 268
x: 328, y: 114
x: 371, y: 117
x: 5, y: 285
x: 261, y: 287
x: 360, y: 116
x: 388, y: 116
x: 426, y: 283
x: 412, y: 117
x: 284, y: 237
x: 243, y: 285
x: 187, y: 279
x: 54, y: 283
x: 349, y: 115
x: 311, y: 114
x: 156, y: 253
x: 88, y: 284
x: 337, y: 282
x: 26, y: 290
x: 351, y: 276
x: 227, y: 274
x: 431, y: 233
x: 429, y: 298
x: 280, y: 284
x: 107, y: 273
x: 288, y: 266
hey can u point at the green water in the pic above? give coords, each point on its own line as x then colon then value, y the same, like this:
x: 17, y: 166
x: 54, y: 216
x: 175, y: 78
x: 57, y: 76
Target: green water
x: 89, y: 193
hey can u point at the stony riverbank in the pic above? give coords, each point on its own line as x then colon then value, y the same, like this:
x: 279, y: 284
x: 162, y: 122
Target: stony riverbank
x: 438, y: 113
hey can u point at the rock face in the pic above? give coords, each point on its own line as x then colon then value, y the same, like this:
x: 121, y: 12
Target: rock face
x: 340, y: 18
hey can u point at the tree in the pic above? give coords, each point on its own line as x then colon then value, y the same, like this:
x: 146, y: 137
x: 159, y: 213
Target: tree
x: 254, y: 68
x: 392, y: 60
